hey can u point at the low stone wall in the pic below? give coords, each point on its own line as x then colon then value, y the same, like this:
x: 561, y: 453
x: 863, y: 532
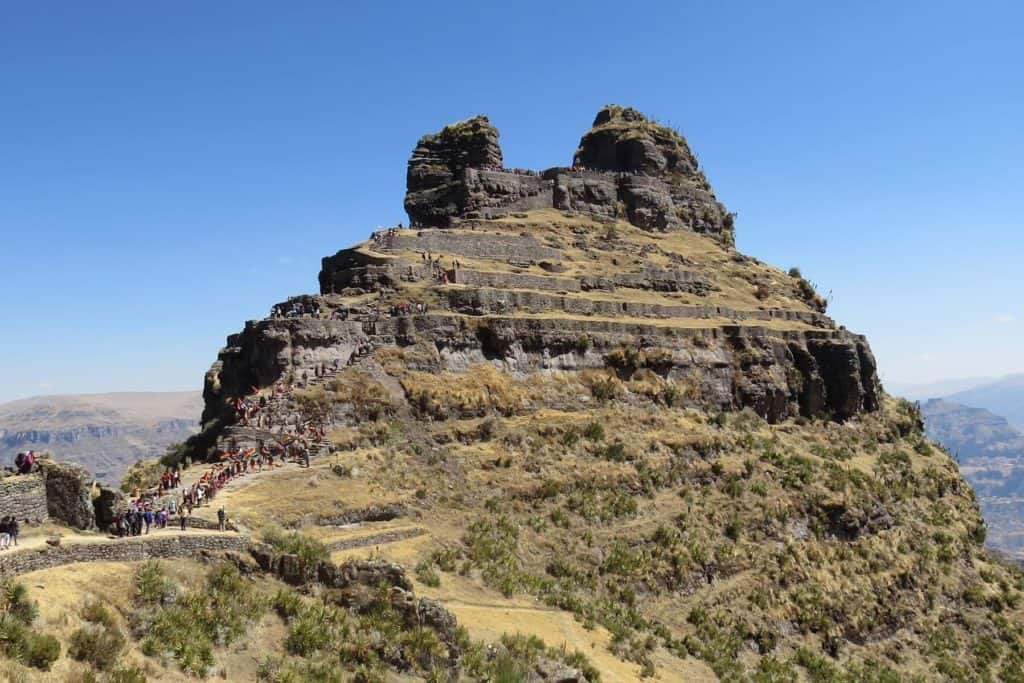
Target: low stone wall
x: 24, y: 496
x: 382, y: 538
x: 14, y: 562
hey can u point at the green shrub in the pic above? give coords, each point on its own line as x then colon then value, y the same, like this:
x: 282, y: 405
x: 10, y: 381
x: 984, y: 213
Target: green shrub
x: 127, y: 674
x: 96, y: 612
x: 216, y: 613
x: 615, y: 452
x: 15, y: 601
x: 152, y: 587
x: 41, y: 651
x: 594, y: 431
x: 17, y: 640
x: 308, y: 632
x: 287, y: 603
x: 97, y: 644
x: 427, y: 575
x: 309, y: 550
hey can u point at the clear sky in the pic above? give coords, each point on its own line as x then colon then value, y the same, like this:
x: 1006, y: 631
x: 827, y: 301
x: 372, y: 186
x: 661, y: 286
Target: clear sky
x: 169, y: 170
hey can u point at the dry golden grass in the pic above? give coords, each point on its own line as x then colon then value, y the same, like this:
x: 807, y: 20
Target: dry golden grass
x: 483, y: 389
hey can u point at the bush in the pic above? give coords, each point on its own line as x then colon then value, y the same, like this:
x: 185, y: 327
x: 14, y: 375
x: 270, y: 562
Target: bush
x: 17, y: 640
x: 97, y: 613
x: 427, y: 575
x: 287, y: 603
x: 152, y: 587
x: 594, y: 431
x: 41, y: 651
x: 127, y: 674
x: 615, y: 452
x: 309, y: 632
x: 216, y: 613
x: 142, y: 475
x: 97, y: 644
x: 309, y: 550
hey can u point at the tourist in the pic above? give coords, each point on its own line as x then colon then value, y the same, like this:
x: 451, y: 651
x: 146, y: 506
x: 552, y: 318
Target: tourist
x: 222, y: 518
x: 183, y: 519
x: 25, y: 461
x: 6, y: 537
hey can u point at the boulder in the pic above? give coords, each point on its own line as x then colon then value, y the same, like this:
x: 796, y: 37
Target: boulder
x: 69, y: 493
x: 291, y: 569
x: 105, y: 506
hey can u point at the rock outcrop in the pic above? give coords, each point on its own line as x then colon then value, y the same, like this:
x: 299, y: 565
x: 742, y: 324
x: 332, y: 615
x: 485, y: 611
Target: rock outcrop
x: 627, y: 167
x: 506, y: 280
x: 69, y: 493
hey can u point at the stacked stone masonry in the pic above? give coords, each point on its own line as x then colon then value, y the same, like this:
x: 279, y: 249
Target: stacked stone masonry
x: 24, y: 497
x: 16, y: 561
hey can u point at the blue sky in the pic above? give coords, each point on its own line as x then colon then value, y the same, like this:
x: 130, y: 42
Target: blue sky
x: 169, y: 170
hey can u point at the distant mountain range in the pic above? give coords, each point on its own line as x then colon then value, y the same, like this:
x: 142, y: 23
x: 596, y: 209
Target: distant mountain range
x: 1003, y: 397
x: 990, y: 452
x: 971, y: 433
x: 920, y: 391
x: 105, y: 433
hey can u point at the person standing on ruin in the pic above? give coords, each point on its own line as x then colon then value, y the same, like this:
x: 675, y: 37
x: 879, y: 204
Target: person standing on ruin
x: 222, y: 518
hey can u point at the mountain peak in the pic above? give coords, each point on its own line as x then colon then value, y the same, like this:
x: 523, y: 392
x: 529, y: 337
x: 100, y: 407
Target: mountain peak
x: 626, y: 166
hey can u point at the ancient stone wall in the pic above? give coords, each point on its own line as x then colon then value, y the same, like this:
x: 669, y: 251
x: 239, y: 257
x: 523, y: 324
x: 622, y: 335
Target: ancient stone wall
x: 482, y: 278
x: 14, y: 562
x: 24, y: 497
x: 444, y: 244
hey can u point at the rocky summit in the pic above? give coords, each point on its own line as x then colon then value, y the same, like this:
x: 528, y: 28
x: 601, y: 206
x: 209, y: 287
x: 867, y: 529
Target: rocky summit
x: 626, y: 167
x: 557, y: 429
x: 627, y: 251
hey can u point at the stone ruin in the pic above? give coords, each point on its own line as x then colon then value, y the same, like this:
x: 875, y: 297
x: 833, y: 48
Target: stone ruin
x: 627, y: 167
x: 520, y: 309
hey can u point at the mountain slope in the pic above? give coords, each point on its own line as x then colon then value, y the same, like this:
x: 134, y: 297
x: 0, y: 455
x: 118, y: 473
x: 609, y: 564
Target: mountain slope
x: 105, y: 433
x: 991, y: 457
x: 971, y: 433
x: 570, y: 388
x: 573, y: 411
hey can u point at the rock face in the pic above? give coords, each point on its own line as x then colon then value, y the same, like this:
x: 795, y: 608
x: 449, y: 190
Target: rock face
x: 69, y: 493
x: 659, y: 183
x: 627, y: 167
x: 458, y: 172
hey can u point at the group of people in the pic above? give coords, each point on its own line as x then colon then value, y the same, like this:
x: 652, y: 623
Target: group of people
x: 385, y: 238
x: 246, y: 409
x: 141, y: 516
x: 295, y: 309
x: 9, y: 530
x: 24, y: 462
x: 437, y: 269
x: 170, y: 479
x: 397, y: 310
